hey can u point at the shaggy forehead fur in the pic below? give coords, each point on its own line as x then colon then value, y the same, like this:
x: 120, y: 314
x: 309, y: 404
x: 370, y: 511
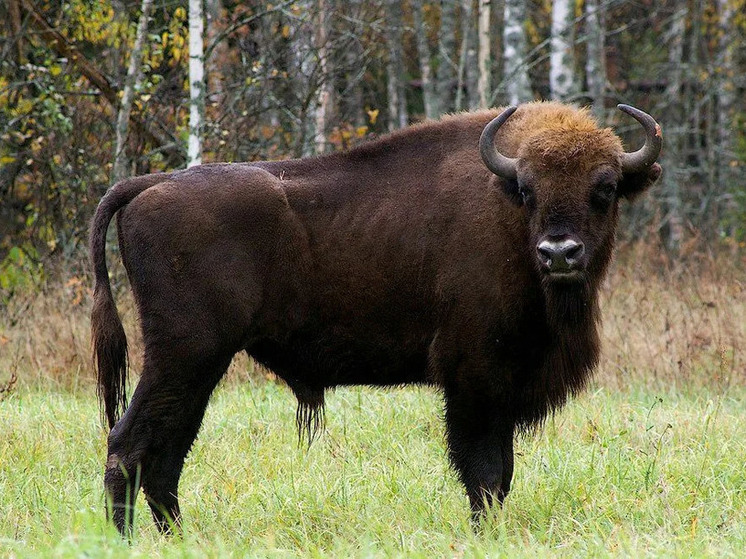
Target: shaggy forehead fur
x: 561, y: 138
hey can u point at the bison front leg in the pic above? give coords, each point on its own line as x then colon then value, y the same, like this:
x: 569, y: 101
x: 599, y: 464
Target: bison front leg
x: 480, y: 440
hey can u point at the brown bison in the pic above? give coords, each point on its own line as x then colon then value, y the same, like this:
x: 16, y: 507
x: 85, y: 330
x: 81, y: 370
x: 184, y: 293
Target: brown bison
x: 465, y: 253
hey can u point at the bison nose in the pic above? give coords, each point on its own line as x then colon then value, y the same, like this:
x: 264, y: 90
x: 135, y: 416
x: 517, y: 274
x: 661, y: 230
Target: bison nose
x: 560, y: 256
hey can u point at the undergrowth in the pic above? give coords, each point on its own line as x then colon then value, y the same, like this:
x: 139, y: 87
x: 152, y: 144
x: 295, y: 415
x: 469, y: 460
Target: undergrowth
x: 663, y: 322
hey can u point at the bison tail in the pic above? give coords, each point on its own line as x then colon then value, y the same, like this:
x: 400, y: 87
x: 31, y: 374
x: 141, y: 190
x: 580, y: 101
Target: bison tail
x: 107, y: 334
x: 110, y: 354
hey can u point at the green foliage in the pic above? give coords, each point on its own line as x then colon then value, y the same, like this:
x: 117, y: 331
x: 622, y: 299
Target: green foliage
x: 20, y: 271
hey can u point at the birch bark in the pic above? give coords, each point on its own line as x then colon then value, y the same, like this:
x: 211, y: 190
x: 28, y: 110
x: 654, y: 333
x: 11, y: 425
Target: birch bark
x: 397, y: 101
x: 196, y: 83
x: 446, y: 74
x: 484, y: 84
x: 561, y: 58
x: 325, y: 76
x: 515, y: 74
x: 595, y: 64
x: 672, y: 228
x: 423, y: 53
x: 726, y: 99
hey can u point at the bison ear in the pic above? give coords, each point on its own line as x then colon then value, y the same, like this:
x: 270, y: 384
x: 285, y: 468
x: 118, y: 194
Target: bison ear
x: 634, y: 184
x: 511, y: 190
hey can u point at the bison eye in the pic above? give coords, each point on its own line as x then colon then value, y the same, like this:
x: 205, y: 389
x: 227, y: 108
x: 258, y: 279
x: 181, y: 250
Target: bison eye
x: 526, y: 193
x: 603, y: 195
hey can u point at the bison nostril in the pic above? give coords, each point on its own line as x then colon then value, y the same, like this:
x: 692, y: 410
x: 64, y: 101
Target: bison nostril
x: 545, y: 253
x: 560, y: 256
x: 574, y: 253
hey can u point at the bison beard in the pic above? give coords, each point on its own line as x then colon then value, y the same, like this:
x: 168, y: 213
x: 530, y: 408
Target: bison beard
x: 426, y: 256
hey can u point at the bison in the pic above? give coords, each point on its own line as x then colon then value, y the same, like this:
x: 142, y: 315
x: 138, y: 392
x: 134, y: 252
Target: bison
x: 464, y: 253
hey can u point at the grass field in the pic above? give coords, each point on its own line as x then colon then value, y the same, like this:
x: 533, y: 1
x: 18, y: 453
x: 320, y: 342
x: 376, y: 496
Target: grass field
x: 620, y: 472
x: 649, y: 462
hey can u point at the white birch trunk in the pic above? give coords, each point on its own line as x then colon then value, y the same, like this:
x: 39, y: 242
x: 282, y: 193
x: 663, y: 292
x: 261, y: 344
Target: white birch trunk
x: 484, y: 84
x: 726, y: 98
x: 472, y: 68
x: 302, y: 52
x: 676, y: 174
x: 121, y: 161
x: 517, y: 84
x: 461, y: 70
x: 325, y: 76
x: 395, y: 67
x: 196, y: 83
x: 423, y: 53
x: 561, y: 56
x: 595, y: 64
x: 446, y: 74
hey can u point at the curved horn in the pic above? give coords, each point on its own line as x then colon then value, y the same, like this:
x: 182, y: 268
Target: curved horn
x: 645, y: 156
x: 496, y: 162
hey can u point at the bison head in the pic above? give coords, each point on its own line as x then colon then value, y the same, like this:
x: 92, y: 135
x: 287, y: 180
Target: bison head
x: 569, y: 175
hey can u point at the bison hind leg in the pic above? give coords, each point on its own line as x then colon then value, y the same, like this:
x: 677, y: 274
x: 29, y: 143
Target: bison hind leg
x: 309, y: 417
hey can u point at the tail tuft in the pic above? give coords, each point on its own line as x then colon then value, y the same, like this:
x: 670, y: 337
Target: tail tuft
x: 110, y: 353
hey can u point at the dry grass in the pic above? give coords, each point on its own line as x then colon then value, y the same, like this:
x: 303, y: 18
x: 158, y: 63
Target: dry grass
x: 662, y: 324
x: 673, y: 324
x: 44, y: 337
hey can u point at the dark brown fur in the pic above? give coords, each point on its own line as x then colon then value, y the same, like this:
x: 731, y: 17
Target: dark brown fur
x: 401, y: 261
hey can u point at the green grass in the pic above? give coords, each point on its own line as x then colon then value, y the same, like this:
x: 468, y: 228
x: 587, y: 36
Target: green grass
x: 632, y: 472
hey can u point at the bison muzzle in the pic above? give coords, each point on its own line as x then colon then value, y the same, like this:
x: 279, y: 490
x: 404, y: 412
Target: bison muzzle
x: 465, y: 253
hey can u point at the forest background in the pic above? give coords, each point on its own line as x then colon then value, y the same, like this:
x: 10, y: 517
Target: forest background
x: 94, y: 91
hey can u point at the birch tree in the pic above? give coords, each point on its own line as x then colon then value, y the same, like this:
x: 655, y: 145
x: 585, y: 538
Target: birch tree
x: 515, y: 74
x: 484, y: 83
x: 134, y: 73
x: 561, y: 45
x: 424, y: 55
x: 301, y: 75
x: 595, y: 62
x: 397, y: 101
x: 64, y: 48
x: 355, y: 65
x: 196, y: 83
x: 325, y: 75
x: 466, y: 81
x: 726, y: 92
x: 446, y: 74
x: 672, y: 227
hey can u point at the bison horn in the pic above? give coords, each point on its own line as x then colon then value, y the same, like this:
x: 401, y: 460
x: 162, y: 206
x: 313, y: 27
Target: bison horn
x: 645, y: 156
x: 496, y: 162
